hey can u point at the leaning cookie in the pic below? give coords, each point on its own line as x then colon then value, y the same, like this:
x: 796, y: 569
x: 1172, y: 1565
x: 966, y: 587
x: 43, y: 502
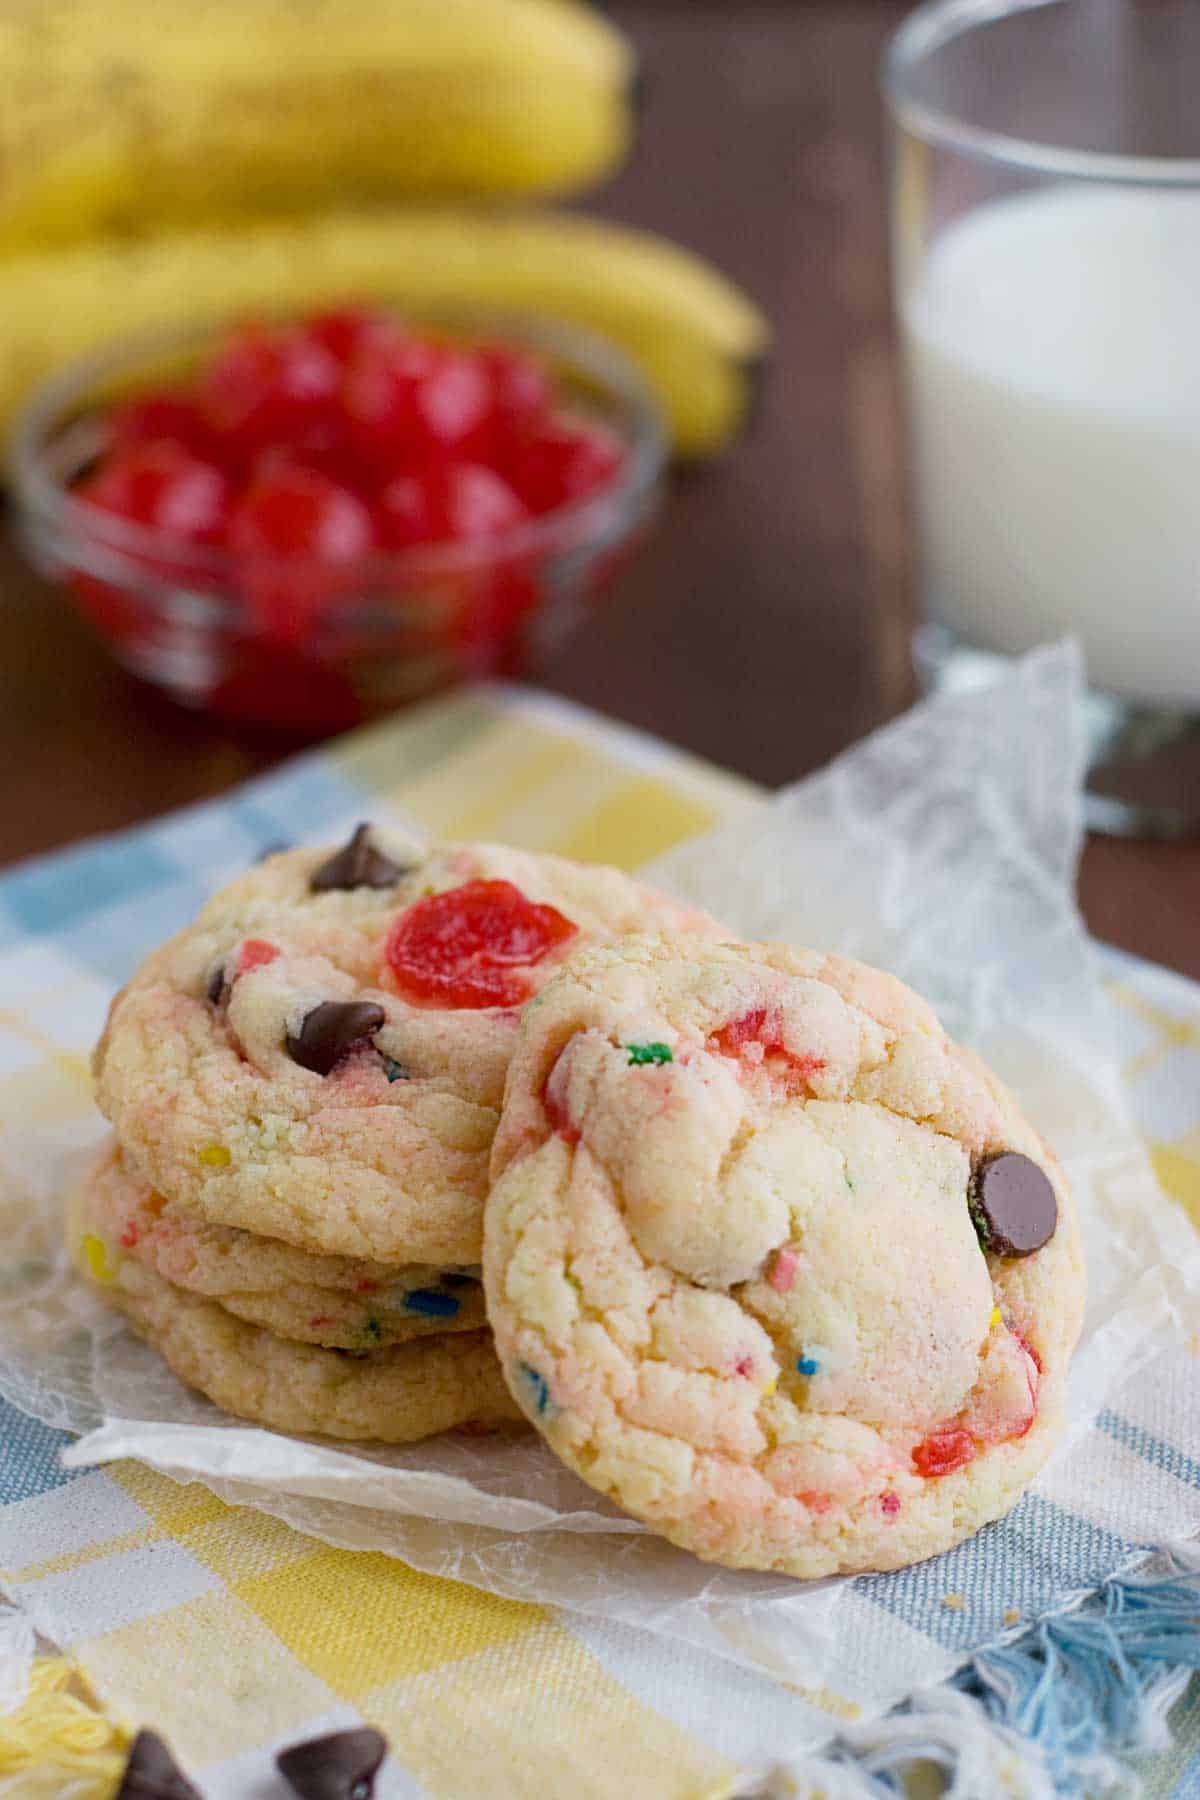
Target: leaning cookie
x: 773, y: 1263
x: 337, y: 1301
x: 320, y: 1057
x: 394, y: 1396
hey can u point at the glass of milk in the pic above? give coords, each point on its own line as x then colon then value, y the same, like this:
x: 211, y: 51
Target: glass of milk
x: 1046, y: 252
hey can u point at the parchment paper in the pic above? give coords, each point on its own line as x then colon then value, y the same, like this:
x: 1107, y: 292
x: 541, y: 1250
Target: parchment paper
x: 944, y: 848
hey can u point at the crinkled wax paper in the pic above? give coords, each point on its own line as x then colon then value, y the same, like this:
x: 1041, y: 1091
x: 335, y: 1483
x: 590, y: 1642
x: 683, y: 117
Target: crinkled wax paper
x: 944, y: 848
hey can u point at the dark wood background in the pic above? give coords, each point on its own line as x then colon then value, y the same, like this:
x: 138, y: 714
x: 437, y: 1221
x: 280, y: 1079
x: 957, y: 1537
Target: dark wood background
x: 767, y: 624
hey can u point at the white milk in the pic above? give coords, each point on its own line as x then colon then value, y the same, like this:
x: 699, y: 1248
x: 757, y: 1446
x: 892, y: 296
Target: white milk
x: 1053, y: 356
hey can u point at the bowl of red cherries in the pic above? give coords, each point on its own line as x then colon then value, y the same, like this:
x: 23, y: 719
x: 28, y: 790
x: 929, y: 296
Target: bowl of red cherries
x: 300, y: 524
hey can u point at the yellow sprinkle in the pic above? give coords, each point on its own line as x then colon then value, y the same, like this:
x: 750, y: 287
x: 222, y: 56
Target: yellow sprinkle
x: 216, y: 1156
x: 995, y: 1318
x: 954, y: 1601
x: 1011, y: 1616
x: 771, y: 1385
x: 96, y: 1257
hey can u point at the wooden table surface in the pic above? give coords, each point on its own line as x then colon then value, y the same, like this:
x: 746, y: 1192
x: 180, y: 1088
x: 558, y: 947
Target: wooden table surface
x: 767, y: 624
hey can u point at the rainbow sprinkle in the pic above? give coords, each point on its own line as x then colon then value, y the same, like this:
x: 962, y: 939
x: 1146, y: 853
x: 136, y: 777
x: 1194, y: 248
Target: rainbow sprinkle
x: 783, y: 1270
x: 807, y: 1365
x: 216, y: 1156
x: 539, y: 1387
x: 95, y: 1256
x: 640, y: 1054
x: 995, y: 1318
x: 430, y: 1303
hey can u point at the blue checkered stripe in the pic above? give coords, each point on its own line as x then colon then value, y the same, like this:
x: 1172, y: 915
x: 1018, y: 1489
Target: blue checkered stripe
x: 103, y: 901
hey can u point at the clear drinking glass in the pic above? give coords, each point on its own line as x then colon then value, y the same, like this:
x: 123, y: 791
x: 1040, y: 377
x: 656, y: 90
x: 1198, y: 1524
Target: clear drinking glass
x: 1045, y: 206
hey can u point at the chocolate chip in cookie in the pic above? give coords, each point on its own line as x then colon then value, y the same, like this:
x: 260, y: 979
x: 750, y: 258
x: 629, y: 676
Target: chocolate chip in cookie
x: 341, y: 1766
x: 1013, y: 1205
x: 329, y: 1030
x: 357, y: 864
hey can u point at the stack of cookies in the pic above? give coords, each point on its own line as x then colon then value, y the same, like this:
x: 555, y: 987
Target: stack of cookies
x: 769, y: 1260
x: 304, y: 1086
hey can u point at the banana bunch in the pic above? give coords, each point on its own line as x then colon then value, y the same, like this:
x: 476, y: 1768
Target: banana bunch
x: 171, y: 161
x: 141, y: 113
x: 696, y: 338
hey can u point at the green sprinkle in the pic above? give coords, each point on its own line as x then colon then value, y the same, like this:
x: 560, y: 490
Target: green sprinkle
x: 394, y: 1070
x: 849, y: 1184
x: 649, y: 1053
x: 373, y: 1330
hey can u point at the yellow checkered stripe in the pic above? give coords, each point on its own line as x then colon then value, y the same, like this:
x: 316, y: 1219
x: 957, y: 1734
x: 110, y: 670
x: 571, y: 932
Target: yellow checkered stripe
x: 291, y: 1629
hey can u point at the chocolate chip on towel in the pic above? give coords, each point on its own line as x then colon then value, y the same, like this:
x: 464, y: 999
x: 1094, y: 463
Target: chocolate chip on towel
x: 357, y: 864
x: 341, y: 1766
x: 153, y: 1774
x: 1013, y: 1205
x: 329, y: 1030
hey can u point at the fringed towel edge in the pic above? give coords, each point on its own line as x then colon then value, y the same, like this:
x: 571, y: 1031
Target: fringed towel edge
x: 1052, y: 1714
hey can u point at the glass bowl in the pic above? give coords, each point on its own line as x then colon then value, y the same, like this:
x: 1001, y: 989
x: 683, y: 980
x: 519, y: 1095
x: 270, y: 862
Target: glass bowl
x: 363, y: 637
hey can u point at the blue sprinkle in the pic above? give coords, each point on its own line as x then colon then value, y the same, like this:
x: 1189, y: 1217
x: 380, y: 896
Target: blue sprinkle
x: 538, y: 1385
x: 808, y: 1365
x: 431, y: 1303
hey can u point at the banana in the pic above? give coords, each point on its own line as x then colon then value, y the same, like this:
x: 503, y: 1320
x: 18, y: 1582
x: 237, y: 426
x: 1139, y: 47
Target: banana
x: 696, y: 337
x: 169, y: 112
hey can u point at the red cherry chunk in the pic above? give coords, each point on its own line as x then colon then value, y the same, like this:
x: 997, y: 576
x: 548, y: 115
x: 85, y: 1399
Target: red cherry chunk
x: 472, y: 945
x: 344, y: 330
x: 757, y: 1026
x: 162, y: 486
x: 408, y: 401
x: 293, y: 511
x: 758, y: 1034
x: 943, y: 1452
x: 266, y: 388
x: 168, y: 418
x: 565, y: 461
x: 461, y: 502
x: 298, y: 536
x: 521, y: 396
x: 255, y: 953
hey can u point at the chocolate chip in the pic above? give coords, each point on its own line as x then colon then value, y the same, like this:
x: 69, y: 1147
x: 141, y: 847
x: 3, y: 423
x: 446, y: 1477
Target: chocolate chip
x: 153, y: 1774
x: 357, y: 864
x: 215, y: 989
x: 341, y: 1766
x: 1013, y: 1205
x: 329, y: 1030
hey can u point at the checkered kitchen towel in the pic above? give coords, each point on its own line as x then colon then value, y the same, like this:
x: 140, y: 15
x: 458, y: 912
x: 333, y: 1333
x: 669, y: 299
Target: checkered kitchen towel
x: 233, y: 1634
